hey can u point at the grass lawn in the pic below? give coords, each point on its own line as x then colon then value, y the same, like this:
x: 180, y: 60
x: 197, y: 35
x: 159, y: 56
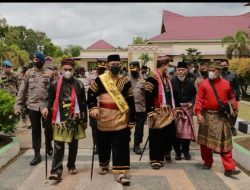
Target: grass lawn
x: 244, y: 112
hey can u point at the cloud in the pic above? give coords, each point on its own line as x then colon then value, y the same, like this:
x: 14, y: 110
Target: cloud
x: 117, y: 23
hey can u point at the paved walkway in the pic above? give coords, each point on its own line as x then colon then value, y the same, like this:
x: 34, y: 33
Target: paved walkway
x: 177, y: 175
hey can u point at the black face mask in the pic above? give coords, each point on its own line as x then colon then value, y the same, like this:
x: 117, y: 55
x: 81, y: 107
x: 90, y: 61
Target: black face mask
x: 135, y: 74
x: 101, y: 70
x: 115, y: 69
x: 204, y: 74
x: 38, y: 65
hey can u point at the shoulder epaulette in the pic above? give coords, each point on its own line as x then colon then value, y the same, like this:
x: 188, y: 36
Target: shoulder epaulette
x: 94, y: 85
x: 152, y: 75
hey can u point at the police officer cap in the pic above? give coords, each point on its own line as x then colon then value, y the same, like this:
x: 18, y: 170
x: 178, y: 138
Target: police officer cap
x: 182, y: 65
x: 40, y: 56
x: 114, y: 57
x: 7, y: 63
x: 134, y: 65
x: 101, y: 63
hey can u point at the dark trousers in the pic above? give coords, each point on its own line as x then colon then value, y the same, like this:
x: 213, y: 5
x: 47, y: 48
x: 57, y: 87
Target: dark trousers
x: 181, y: 145
x: 161, y: 142
x: 118, y: 143
x: 57, y: 162
x: 35, y: 120
x: 140, y: 121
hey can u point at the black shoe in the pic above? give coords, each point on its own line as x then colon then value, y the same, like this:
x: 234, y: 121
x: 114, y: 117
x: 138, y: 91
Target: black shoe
x: 36, y: 160
x: 206, y: 167
x: 177, y: 157
x: 137, y: 149
x: 229, y: 173
x: 168, y: 158
x: 49, y: 149
x: 234, y: 131
x: 187, y: 156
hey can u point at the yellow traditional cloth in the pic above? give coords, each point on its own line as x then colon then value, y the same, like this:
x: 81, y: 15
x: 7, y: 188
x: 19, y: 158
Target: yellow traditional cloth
x: 64, y: 134
x: 66, y: 130
x: 114, y: 92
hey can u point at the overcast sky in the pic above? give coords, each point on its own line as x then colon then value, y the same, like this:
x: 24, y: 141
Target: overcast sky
x: 117, y: 23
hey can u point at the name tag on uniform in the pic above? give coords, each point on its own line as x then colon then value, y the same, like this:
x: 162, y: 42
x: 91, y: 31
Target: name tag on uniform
x: 32, y: 76
x: 45, y: 78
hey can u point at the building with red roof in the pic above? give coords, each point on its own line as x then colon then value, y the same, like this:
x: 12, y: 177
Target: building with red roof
x: 204, y: 33
x: 101, y: 45
x: 100, y: 50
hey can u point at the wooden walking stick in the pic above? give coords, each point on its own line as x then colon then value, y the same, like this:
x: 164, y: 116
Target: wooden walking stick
x: 146, y: 143
x: 144, y: 148
x: 92, y: 164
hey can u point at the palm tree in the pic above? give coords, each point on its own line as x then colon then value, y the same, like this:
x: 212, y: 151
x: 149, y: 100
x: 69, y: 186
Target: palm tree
x: 17, y: 56
x: 237, y: 45
x: 145, y: 58
x: 3, y: 51
x: 139, y: 40
x: 193, y: 55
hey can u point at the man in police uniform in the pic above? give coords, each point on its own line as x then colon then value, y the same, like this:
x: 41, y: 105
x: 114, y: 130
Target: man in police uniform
x: 138, y: 84
x: 35, y: 85
x: 9, y: 80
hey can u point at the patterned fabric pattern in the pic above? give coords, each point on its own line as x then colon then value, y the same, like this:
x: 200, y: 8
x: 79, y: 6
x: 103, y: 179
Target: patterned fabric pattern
x: 216, y: 133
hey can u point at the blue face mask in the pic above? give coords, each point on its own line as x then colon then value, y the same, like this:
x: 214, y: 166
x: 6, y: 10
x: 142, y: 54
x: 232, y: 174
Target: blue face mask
x: 171, y: 70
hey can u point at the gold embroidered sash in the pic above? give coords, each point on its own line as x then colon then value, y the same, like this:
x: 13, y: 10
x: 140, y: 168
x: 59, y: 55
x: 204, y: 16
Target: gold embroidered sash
x: 114, y: 92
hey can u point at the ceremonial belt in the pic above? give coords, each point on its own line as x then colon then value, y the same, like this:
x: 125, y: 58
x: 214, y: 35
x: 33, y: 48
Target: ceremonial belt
x: 114, y: 92
x: 112, y: 106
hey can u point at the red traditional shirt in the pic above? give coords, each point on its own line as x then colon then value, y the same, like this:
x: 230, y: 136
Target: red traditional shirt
x: 206, y: 99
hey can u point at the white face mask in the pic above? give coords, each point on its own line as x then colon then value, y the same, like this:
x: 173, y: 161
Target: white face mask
x: 181, y: 78
x: 67, y: 74
x: 212, y: 75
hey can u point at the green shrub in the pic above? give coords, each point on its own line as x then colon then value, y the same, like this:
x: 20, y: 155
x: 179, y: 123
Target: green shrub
x: 8, y: 120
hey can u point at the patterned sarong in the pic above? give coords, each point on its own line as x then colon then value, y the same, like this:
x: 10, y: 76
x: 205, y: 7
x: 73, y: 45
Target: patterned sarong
x: 216, y: 133
x: 185, y: 123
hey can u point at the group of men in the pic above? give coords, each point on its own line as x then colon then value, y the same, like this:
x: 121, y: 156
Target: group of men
x: 118, y: 103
